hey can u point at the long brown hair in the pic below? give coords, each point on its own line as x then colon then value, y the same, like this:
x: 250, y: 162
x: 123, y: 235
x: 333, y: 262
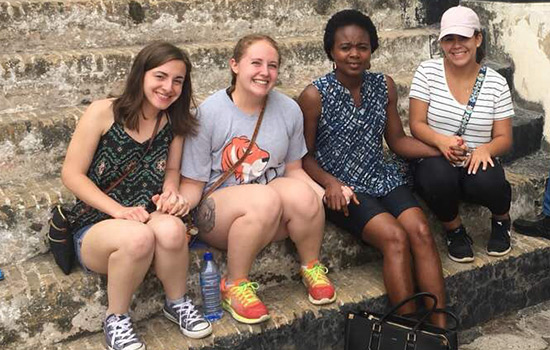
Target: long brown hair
x: 127, y: 108
x: 240, y: 49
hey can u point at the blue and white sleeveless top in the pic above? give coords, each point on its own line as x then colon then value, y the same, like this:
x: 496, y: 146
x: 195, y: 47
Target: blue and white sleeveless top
x: 349, y: 138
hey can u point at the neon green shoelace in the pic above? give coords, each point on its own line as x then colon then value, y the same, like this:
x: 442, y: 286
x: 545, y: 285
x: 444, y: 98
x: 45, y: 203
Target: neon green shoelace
x: 317, y: 275
x: 246, y: 292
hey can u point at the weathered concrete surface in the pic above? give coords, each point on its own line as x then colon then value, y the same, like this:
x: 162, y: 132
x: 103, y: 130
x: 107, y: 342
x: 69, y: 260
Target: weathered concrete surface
x: 521, y: 32
x: 40, y: 305
x: 527, y: 329
x: 477, y: 292
x: 57, y: 25
x: 25, y: 205
x: 38, y: 283
x: 67, y: 78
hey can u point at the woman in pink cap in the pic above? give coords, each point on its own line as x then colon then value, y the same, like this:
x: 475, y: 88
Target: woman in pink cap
x: 464, y: 109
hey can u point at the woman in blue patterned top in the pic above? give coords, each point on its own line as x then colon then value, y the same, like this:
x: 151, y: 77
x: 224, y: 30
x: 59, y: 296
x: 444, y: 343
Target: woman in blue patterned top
x: 346, y: 115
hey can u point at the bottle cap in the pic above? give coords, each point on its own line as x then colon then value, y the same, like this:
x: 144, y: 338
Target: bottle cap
x: 208, y: 256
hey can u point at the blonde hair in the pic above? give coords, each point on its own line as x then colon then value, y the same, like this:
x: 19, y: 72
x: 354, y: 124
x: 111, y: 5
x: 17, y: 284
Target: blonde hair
x: 243, y: 44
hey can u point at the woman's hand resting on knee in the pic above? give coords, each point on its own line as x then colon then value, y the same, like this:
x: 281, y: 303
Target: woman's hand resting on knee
x: 480, y: 157
x: 132, y: 213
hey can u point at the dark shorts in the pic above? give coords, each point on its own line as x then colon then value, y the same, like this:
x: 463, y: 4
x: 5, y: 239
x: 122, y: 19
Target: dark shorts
x: 78, y: 236
x: 395, y: 202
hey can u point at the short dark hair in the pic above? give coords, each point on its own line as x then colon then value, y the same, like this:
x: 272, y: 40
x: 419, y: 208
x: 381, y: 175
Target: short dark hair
x: 127, y: 107
x: 346, y: 18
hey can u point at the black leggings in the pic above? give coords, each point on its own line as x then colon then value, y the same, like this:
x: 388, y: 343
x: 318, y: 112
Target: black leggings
x: 442, y: 186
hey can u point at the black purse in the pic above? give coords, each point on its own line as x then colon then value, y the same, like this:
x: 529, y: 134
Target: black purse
x: 373, y: 331
x: 60, y: 237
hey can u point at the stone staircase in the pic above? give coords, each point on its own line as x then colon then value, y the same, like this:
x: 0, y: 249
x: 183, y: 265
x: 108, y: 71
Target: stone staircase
x: 57, y: 56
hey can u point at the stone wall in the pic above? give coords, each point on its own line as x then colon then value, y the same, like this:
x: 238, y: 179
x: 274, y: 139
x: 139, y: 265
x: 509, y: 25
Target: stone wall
x: 521, y: 32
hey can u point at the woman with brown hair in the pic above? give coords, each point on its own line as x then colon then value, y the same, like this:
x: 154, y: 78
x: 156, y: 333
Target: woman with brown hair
x: 464, y: 109
x: 269, y: 197
x: 119, y: 231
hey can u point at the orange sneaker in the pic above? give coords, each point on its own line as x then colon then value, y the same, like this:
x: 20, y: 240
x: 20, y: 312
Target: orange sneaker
x: 241, y: 301
x: 320, y: 289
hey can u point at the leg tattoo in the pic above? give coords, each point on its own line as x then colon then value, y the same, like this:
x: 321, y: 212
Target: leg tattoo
x: 206, y: 216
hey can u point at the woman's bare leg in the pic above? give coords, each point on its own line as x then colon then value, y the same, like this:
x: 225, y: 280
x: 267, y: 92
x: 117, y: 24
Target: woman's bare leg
x: 242, y: 219
x: 122, y: 249
x: 429, y: 274
x: 303, y: 218
x: 171, y: 259
x: 385, y: 233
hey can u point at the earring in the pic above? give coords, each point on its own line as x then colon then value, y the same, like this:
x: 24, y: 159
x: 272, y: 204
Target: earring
x: 334, y: 65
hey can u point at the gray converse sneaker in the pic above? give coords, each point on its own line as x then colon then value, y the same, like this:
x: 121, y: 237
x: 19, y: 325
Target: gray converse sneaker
x: 192, y: 323
x: 120, y: 334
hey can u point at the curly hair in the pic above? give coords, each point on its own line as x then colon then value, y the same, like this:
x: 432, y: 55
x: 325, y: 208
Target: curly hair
x: 345, y: 18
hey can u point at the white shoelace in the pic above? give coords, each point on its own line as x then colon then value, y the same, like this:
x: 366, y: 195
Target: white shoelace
x: 188, y: 315
x: 123, y: 332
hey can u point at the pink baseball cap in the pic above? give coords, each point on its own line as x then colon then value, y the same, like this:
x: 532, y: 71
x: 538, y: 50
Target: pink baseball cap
x: 459, y: 20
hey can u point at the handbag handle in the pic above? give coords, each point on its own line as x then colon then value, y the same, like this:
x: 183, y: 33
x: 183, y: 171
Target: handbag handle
x: 416, y: 315
x: 411, y: 298
x: 376, y: 334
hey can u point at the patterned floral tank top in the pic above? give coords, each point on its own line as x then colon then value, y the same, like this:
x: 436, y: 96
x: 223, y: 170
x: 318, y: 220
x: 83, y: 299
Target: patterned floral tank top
x: 349, y: 140
x: 115, y: 153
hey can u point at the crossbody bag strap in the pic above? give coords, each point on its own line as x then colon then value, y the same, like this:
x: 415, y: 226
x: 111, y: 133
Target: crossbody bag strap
x: 131, y: 168
x: 472, y: 100
x: 231, y: 170
x: 135, y: 164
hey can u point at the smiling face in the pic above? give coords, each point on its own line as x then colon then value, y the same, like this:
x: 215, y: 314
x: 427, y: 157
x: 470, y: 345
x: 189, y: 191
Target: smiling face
x: 459, y: 50
x: 162, y: 86
x: 257, y: 70
x: 352, y: 50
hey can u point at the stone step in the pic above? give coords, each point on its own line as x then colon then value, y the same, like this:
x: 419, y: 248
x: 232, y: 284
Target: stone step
x: 24, y: 204
x: 34, y: 287
x: 477, y: 292
x: 71, y: 24
x: 527, y: 133
x: 44, y: 81
x: 45, y: 134
x: 25, y: 134
x: 37, y: 286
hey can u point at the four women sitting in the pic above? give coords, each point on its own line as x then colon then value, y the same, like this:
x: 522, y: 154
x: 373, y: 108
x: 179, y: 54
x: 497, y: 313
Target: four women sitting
x: 285, y: 162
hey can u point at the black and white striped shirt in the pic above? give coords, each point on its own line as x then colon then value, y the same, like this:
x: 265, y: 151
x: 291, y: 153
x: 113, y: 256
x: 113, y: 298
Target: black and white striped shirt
x: 445, y: 112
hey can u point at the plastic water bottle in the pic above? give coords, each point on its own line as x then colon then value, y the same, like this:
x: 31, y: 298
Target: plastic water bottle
x: 210, y: 289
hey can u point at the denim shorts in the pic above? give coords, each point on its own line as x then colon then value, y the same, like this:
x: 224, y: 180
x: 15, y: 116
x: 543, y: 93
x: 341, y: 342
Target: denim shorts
x: 78, y: 237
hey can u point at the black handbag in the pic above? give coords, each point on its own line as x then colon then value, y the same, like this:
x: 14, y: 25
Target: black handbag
x: 61, y: 239
x: 373, y: 331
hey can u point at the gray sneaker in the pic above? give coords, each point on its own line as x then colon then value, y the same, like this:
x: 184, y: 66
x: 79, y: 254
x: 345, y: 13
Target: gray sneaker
x: 120, y: 334
x: 192, y: 323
